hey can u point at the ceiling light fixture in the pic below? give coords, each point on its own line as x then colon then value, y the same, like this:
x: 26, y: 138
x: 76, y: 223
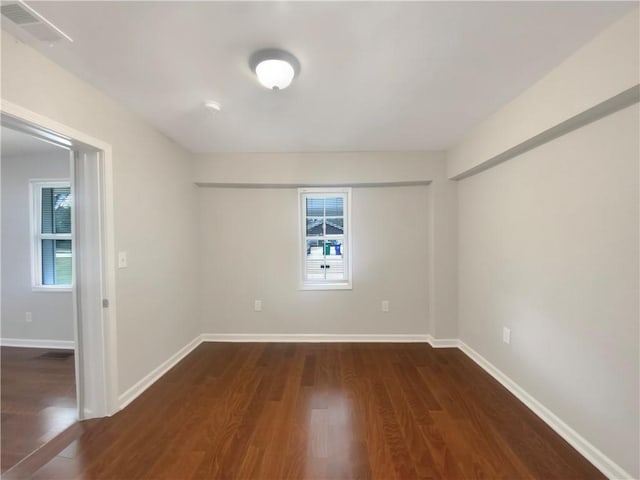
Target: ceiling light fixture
x: 274, y: 68
x: 211, y: 105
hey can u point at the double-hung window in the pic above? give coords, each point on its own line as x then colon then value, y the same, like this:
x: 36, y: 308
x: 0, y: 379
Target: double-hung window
x: 52, y: 252
x: 325, y: 238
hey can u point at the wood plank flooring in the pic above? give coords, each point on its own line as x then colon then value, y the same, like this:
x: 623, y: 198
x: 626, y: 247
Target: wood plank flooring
x: 325, y: 411
x: 38, y: 399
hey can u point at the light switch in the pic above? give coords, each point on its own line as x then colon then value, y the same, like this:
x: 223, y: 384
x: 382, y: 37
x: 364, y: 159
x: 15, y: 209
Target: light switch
x: 506, y: 335
x: 122, y: 259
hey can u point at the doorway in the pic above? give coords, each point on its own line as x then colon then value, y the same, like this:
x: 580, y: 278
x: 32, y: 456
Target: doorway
x: 38, y: 396
x: 79, y: 264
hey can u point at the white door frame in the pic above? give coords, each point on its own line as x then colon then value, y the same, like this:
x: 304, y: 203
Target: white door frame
x: 95, y: 322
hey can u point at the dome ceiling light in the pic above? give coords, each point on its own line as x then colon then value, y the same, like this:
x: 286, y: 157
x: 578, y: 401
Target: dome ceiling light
x: 274, y: 68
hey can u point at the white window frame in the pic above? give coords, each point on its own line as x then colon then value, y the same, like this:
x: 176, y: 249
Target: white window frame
x: 35, y: 195
x: 347, y: 256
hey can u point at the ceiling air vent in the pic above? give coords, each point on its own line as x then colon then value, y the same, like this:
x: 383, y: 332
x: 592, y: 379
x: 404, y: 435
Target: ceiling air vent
x: 31, y: 21
x: 18, y: 14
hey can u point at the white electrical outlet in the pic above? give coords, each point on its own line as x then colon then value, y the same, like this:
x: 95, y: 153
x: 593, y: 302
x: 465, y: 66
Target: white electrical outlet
x: 122, y: 259
x: 27, y: 317
x: 257, y: 305
x: 506, y: 335
x: 385, y: 306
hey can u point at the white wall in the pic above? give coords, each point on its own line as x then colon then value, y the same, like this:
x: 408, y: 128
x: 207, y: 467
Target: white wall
x: 155, y: 208
x: 52, y: 313
x: 434, y: 302
x: 548, y: 246
x: 250, y: 251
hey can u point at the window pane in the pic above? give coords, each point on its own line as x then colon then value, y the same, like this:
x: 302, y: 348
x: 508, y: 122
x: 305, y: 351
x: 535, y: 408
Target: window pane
x: 315, y: 207
x: 335, y: 226
x: 63, y: 262
x: 314, y: 227
x: 315, y: 259
x: 56, y: 262
x: 334, y: 206
x: 334, y: 260
x: 325, y: 260
x: 48, y: 261
x: 62, y: 210
x: 56, y: 210
x: 47, y: 210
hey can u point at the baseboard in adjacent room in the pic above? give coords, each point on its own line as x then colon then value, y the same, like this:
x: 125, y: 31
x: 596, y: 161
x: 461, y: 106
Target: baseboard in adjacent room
x: 603, y: 463
x: 139, y: 387
x: 30, y: 343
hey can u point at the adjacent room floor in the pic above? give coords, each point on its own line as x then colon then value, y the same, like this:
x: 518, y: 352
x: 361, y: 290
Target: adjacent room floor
x: 38, y: 399
x: 294, y: 411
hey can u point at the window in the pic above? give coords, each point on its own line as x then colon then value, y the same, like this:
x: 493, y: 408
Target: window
x: 325, y: 238
x: 51, y: 256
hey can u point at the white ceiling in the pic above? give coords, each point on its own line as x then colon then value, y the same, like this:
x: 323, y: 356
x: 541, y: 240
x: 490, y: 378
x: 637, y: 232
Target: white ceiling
x: 16, y: 144
x: 375, y: 76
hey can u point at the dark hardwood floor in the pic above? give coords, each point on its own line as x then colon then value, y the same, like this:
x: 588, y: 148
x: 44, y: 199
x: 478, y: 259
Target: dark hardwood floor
x: 38, y: 399
x: 339, y: 411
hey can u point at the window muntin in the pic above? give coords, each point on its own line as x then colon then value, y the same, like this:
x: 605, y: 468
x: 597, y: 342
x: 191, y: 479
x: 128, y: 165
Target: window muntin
x: 325, y: 238
x: 52, y: 251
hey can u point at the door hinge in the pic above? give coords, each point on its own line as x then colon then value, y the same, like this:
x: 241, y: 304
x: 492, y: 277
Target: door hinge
x: 105, y: 303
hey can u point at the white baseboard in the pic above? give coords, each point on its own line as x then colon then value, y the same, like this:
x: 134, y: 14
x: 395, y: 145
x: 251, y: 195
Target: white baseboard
x: 603, y: 463
x: 313, y: 338
x: 136, y: 390
x: 29, y: 343
x: 330, y: 338
x: 443, y: 342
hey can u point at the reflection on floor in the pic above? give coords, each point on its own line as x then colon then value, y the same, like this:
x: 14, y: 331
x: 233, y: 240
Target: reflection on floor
x: 38, y: 399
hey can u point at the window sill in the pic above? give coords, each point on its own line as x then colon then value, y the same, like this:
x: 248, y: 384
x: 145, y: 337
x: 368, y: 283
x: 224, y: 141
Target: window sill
x: 52, y: 289
x: 326, y: 286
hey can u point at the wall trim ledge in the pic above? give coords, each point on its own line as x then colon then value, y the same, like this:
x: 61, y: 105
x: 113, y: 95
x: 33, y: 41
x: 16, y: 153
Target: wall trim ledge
x: 603, y: 463
x: 154, y: 375
x: 30, y: 343
x: 624, y: 99
x: 408, y: 183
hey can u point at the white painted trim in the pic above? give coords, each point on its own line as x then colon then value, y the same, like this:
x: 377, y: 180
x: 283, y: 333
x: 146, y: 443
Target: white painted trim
x: 328, y: 338
x: 52, y: 289
x: 603, y: 463
x: 32, y: 117
x: 136, y: 390
x: 29, y: 343
x: 411, y: 183
x: 313, y: 338
x: 325, y: 286
x: 443, y: 342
